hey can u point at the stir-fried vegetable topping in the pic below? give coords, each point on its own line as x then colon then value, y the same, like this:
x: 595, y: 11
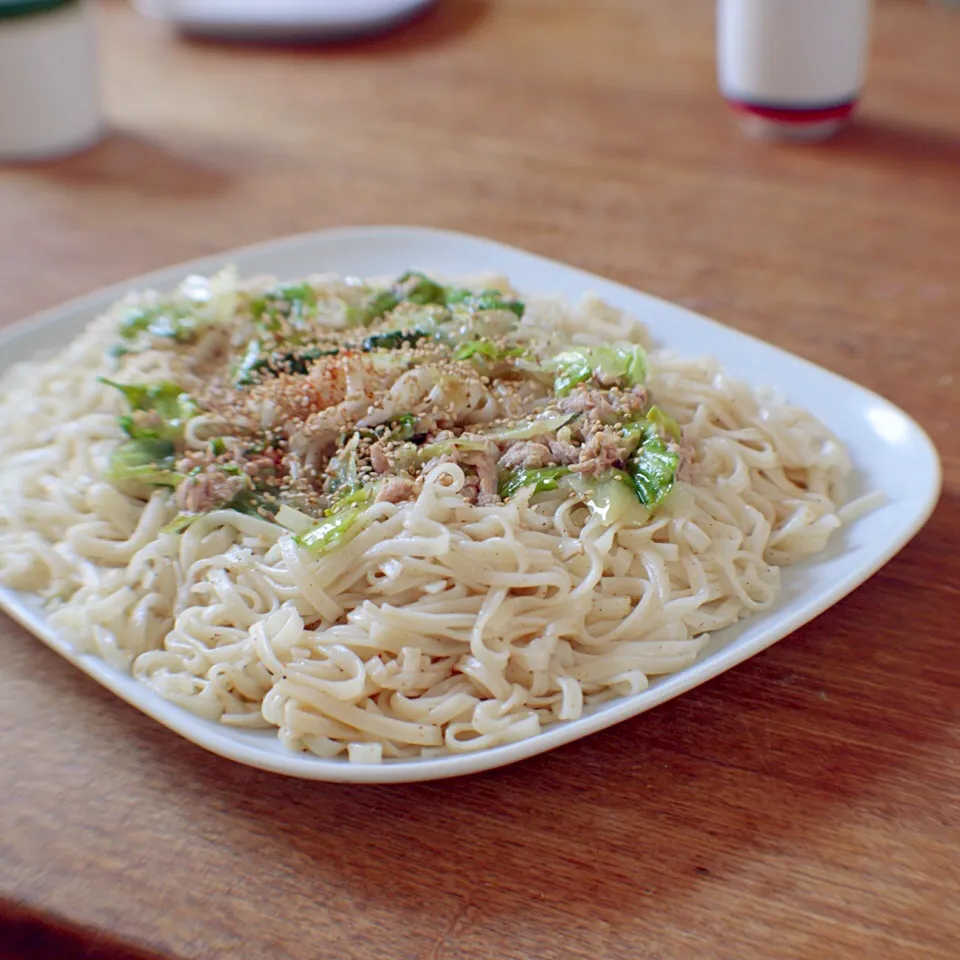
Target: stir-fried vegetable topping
x: 324, y: 397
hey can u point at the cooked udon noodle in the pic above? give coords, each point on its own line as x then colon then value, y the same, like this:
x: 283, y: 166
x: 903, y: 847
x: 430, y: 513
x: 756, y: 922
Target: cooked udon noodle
x: 450, y: 620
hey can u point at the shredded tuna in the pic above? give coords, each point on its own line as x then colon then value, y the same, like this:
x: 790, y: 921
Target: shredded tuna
x: 525, y: 454
x: 563, y: 452
x: 379, y: 460
x: 686, y: 465
x: 470, y: 491
x: 486, y: 466
x: 192, y: 460
x: 259, y: 467
x: 605, y: 405
x: 396, y: 490
x: 206, y: 490
x: 600, y: 454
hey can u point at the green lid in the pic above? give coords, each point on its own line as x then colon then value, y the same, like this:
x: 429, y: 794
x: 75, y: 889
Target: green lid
x: 25, y: 8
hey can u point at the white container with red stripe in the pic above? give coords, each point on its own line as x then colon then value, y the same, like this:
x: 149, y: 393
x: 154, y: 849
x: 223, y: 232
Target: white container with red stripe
x: 792, y: 69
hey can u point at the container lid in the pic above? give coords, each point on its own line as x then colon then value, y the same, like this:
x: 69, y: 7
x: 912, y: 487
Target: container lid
x: 25, y: 8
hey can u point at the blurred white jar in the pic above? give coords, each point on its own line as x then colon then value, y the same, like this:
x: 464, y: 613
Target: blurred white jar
x: 792, y: 69
x: 49, y: 88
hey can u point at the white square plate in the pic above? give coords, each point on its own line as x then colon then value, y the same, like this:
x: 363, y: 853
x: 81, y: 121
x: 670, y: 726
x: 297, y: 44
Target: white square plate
x: 891, y: 453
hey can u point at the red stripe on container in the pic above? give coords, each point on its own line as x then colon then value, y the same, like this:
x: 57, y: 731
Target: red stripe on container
x: 837, y: 111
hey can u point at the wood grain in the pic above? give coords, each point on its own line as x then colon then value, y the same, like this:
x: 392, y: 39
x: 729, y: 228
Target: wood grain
x: 803, y: 805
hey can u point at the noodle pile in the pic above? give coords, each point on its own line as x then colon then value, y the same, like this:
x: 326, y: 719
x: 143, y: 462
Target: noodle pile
x: 443, y: 625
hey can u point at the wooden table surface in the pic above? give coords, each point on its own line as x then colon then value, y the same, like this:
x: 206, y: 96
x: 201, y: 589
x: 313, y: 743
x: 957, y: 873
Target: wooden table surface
x: 805, y: 805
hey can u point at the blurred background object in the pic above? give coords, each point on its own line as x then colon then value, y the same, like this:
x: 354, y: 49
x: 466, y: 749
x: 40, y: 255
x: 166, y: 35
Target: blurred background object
x: 792, y: 70
x: 49, y: 97
x: 277, y: 20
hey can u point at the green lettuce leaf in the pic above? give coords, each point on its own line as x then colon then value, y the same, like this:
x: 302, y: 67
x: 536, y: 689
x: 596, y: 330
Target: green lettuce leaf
x: 247, y: 500
x: 542, y: 479
x: 145, y: 460
x: 417, y: 287
x: 612, y: 497
x: 379, y: 305
x: 403, y: 427
x: 665, y: 424
x: 545, y: 424
x: 171, y: 406
x: 258, y: 360
x: 486, y: 350
x: 483, y: 300
x: 332, y: 531
x: 294, y: 302
x: 394, y: 339
x: 625, y: 363
x: 167, y: 320
x: 653, y: 468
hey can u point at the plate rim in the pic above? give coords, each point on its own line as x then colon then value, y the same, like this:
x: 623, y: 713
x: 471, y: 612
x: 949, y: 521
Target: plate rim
x: 216, y: 738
